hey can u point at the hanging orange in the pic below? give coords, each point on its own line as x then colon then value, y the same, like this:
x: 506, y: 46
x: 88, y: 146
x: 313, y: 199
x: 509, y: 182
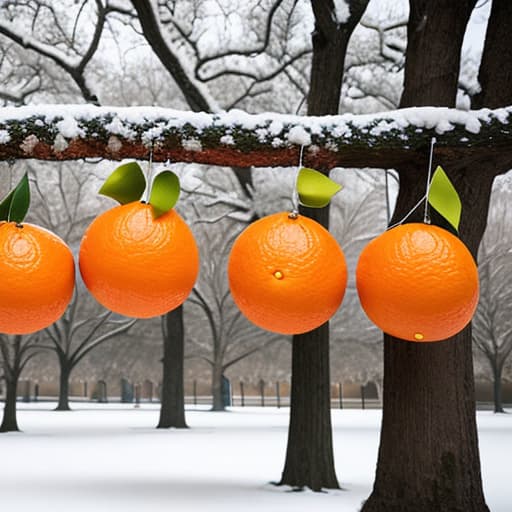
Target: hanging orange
x: 136, y: 265
x: 418, y: 282
x: 287, y: 275
x: 37, y: 278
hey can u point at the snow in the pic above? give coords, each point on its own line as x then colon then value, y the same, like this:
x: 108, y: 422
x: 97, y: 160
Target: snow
x: 191, y: 144
x: 227, y: 140
x: 60, y: 143
x: 341, y: 11
x: 29, y: 143
x: 20, y: 33
x: 110, y: 458
x: 4, y: 137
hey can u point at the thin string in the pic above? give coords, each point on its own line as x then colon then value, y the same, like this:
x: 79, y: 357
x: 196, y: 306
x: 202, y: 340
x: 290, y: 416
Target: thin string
x: 411, y: 211
x: 150, y: 171
x: 426, y: 218
x: 295, y: 194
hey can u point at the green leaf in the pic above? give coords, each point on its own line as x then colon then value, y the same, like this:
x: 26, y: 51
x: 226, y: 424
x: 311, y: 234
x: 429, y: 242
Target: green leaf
x: 444, y: 198
x: 164, y: 193
x: 315, y: 189
x: 5, y: 205
x: 15, y: 205
x: 126, y: 184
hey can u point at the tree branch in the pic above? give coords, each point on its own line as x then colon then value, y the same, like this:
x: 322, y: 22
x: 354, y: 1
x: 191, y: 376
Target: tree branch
x: 386, y: 140
x: 151, y: 30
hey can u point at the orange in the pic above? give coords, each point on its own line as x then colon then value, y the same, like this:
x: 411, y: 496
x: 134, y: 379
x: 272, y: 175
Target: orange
x: 136, y: 265
x: 418, y: 282
x: 287, y: 275
x: 37, y: 278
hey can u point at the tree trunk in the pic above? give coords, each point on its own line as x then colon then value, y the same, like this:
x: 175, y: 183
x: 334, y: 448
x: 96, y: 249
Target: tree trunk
x: 428, y: 456
x: 495, y: 73
x: 434, y: 40
x: 497, y: 387
x: 309, y: 454
x: 218, y: 400
x: 330, y: 41
x: 65, y: 371
x: 172, y: 410
x: 9, y: 421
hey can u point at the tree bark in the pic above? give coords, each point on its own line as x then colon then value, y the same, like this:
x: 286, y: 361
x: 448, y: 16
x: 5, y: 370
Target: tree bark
x: 9, y: 420
x: 218, y: 400
x: 172, y: 410
x: 65, y: 372
x: 309, y: 455
x: 330, y: 42
x: 434, y: 34
x: 497, y: 387
x: 495, y: 73
x: 428, y: 456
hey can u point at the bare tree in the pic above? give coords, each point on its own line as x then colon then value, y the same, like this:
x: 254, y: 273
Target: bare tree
x: 85, y: 325
x: 231, y: 337
x: 172, y: 411
x: 492, y: 324
x: 16, y: 351
x: 75, y: 335
x: 56, y: 43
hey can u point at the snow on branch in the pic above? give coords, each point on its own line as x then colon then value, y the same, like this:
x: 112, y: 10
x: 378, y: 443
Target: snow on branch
x: 235, y: 138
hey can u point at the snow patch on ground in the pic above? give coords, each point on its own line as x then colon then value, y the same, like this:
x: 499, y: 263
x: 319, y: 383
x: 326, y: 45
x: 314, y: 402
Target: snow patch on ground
x: 110, y: 458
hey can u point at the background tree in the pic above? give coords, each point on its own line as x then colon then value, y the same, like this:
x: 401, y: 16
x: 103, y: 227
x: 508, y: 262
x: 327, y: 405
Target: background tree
x: 16, y: 351
x: 85, y: 324
x: 230, y: 337
x: 492, y: 324
x: 172, y: 410
x: 53, y: 43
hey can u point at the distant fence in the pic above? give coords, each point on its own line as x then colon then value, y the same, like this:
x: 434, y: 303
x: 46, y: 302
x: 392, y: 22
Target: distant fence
x: 235, y: 393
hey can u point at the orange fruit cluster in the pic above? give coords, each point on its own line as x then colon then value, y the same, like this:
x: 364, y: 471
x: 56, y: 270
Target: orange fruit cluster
x: 37, y: 278
x: 418, y: 282
x: 136, y: 265
x: 287, y: 273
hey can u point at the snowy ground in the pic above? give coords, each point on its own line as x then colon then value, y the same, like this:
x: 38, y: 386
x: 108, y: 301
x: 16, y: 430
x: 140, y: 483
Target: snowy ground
x: 109, y: 458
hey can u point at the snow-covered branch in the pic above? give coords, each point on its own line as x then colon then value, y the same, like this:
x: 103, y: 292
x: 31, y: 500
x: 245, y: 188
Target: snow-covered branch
x: 235, y: 138
x: 73, y: 64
